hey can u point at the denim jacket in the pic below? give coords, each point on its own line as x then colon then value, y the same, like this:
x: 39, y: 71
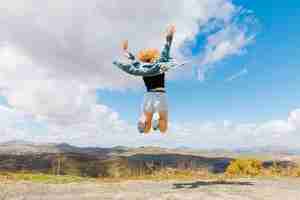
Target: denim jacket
x: 163, y: 64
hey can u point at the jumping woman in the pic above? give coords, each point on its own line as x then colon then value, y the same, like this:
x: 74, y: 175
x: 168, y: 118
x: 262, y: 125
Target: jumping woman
x: 152, y: 65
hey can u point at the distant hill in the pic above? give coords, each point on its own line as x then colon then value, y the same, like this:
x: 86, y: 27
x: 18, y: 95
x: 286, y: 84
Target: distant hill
x: 17, y: 147
x: 269, y: 150
x: 20, y: 147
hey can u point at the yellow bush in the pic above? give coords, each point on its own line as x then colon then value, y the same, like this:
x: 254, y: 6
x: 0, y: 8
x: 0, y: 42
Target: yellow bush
x: 244, y: 167
x: 297, y: 172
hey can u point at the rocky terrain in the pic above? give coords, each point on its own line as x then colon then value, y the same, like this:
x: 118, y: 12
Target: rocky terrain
x: 243, y: 189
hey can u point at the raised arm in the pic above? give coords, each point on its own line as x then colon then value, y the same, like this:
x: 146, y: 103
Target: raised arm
x: 165, y: 53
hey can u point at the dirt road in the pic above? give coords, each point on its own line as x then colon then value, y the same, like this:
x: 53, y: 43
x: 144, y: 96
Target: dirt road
x: 245, y: 189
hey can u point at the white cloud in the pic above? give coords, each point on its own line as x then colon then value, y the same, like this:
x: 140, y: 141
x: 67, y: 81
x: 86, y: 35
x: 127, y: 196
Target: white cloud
x: 79, y: 40
x: 104, y: 128
x: 232, y: 135
x: 227, y: 42
x: 275, y: 127
x: 30, y: 89
x: 294, y: 118
x: 237, y: 75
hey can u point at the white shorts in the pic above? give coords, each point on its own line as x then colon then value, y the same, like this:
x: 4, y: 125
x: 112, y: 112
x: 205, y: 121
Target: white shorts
x: 155, y: 102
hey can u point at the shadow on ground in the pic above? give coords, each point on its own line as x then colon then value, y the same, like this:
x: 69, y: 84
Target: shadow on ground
x: 209, y: 183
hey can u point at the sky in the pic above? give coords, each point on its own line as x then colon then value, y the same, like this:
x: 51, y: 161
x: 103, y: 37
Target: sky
x: 58, y: 84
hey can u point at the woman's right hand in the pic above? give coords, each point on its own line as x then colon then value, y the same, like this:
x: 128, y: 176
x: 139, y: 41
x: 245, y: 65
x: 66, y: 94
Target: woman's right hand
x: 125, y: 49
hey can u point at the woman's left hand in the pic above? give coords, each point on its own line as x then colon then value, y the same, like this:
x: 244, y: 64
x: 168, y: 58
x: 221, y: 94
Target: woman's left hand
x: 171, y: 30
x: 125, y: 45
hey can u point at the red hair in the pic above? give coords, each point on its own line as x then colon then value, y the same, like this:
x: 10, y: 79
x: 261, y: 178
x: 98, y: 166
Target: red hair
x: 148, y: 55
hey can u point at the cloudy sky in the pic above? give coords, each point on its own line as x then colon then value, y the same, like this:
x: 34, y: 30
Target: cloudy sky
x: 57, y: 83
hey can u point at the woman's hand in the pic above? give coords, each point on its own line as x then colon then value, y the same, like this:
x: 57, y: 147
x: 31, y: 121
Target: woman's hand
x: 171, y: 30
x: 125, y: 45
x: 125, y: 49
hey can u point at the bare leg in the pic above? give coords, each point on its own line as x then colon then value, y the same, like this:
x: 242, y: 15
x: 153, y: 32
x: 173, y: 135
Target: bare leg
x: 148, y: 116
x: 163, y: 121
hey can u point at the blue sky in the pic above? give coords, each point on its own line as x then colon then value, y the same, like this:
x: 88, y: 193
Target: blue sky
x: 57, y: 83
x: 268, y: 91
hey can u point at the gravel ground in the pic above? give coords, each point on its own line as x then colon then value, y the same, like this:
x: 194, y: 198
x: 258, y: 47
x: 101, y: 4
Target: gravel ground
x: 244, y: 189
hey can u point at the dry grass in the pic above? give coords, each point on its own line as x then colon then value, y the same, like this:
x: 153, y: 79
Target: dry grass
x: 40, y: 178
x: 169, y: 174
x: 276, y: 171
